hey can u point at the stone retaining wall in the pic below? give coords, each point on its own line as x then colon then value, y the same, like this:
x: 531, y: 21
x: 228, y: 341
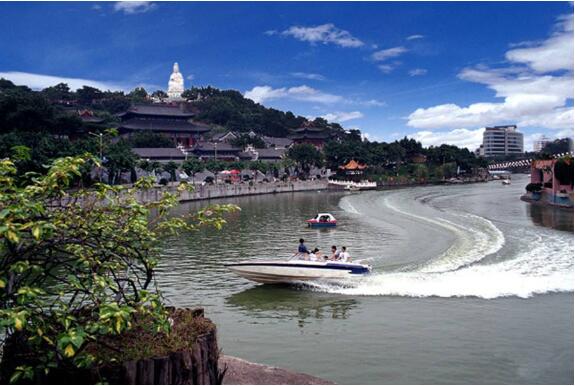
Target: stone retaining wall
x: 206, y: 192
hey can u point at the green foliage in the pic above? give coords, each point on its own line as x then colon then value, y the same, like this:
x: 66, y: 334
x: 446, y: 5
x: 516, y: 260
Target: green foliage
x: 563, y: 170
x: 139, y: 94
x: 119, y: 159
x: 171, y: 167
x: 305, y: 156
x: 192, y: 166
x: 558, y: 146
x: 215, y: 167
x: 74, y: 271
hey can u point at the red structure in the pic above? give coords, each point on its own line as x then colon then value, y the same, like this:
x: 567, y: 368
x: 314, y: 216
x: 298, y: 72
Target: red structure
x: 553, y: 190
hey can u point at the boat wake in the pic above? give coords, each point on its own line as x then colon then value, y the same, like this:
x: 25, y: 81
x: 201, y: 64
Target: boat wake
x: 541, y: 263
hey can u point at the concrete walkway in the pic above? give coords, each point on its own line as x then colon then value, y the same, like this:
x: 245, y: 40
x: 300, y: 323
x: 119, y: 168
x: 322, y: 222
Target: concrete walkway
x: 241, y: 372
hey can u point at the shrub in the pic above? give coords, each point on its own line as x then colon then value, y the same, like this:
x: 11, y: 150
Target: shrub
x: 75, y: 271
x: 163, y: 181
x: 563, y: 171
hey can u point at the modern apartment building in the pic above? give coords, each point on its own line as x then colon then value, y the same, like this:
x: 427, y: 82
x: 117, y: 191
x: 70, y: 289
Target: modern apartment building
x: 502, y: 140
x: 540, y: 143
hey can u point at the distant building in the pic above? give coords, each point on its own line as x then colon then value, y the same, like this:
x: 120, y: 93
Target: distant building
x: 502, y: 140
x: 172, y: 120
x: 540, y: 143
x: 316, y: 136
x: 480, y: 151
x: 160, y: 154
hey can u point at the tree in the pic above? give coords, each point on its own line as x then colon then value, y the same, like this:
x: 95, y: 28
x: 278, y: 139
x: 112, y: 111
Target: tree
x: 160, y: 94
x: 558, y: 146
x: 192, y: 166
x: 244, y: 140
x: 258, y: 166
x: 215, y: 167
x: 58, y: 93
x: 306, y: 156
x: 87, y: 95
x: 119, y: 159
x: 139, y: 94
x: 75, y: 273
x: 171, y: 167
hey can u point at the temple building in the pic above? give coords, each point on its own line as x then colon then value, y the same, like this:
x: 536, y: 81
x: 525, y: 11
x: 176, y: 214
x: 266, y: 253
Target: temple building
x: 174, y: 121
x: 316, y: 136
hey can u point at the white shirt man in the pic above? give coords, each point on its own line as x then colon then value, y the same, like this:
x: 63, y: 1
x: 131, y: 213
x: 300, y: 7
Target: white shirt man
x: 344, y: 255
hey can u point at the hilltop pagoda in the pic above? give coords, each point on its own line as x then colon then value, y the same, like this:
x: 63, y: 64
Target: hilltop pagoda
x: 308, y: 133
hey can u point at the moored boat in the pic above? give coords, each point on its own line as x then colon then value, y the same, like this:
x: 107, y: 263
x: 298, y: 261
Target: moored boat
x: 322, y: 220
x: 296, y: 271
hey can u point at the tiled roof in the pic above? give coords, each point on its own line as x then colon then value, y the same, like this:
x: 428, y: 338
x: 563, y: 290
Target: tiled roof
x: 277, y: 142
x: 164, y: 125
x: 157, y: 109
x: 221, y: 146
x: 159, y: 152
x: 270, y: 153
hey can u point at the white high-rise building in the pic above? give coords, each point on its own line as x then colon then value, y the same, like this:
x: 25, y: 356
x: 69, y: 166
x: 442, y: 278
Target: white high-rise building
x: 502, y: 140
x: 540, y: 143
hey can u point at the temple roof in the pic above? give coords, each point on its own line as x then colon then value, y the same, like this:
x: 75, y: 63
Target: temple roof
x: 353, y: 165
x: 159, y: 152
x: 159, y: 110
x: 309, y: 129
x: 309, y: 136
x: 277, y: 142
x: 209, y: 147
x: 270, y: 153
x: 164, y: 125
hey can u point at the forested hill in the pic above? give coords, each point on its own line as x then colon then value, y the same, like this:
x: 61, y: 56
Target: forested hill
x: 51, y: 109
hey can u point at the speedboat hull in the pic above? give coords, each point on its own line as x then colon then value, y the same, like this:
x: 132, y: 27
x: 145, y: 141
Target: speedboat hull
x: 317, y: 224
x: 294, y: 271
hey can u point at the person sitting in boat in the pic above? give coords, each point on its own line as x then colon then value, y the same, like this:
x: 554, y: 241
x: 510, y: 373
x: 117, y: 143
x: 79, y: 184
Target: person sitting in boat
x: 315, y: 255
x: 302, y: 250
x: 344, y: 256
x: 334, y: 253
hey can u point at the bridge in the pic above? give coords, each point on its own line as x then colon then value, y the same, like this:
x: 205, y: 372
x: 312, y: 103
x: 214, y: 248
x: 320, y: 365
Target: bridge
x: 520, y: 164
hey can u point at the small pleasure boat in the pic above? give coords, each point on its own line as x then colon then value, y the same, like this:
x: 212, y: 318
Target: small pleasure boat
x: 322, y: 220
x: 296, y: 271
x: 506, y: 182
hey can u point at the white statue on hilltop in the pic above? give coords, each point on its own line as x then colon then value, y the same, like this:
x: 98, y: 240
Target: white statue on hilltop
x: 176, y: 83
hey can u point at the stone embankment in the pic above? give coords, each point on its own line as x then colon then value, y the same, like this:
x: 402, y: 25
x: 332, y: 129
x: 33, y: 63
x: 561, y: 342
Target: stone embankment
x: 241, y: 372
x: 207, y: 192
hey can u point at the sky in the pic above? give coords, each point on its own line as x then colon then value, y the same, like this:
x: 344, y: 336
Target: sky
x: 436, y: 72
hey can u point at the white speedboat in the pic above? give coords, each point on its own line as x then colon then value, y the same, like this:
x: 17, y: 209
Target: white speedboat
x: 294, y: 271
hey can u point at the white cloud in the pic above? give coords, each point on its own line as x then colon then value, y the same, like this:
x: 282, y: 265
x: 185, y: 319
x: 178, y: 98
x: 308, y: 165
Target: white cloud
x: 133, y: 7
x: 531, y: 97
x: 342, y: 116
x: 372, y: 103
x: 417, y: 72
x: 386, y: 68
x: 470, y: 139
x: 39, y: 81
x: 190, y: 77
x: 382, y: 55
x: 555, y: 53
x: 325, y: 34
x: 307, y: 75
x: 414, y: 37
x: 260, y: 94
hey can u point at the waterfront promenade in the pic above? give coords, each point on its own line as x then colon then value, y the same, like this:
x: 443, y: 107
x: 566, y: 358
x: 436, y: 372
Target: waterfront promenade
x: 206, y: 191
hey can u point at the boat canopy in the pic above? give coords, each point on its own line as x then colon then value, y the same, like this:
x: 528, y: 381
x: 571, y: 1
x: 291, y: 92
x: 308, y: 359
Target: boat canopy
x: 324, y: 217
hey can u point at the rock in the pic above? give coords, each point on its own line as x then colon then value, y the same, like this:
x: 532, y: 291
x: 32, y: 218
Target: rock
x: 241, y: 372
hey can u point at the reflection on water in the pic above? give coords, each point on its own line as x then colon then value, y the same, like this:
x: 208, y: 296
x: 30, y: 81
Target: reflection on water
x: 285, y: 302
x: 556, y: 218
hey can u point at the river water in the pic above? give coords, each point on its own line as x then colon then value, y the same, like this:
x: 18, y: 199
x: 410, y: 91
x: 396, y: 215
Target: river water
x: 470, y: 285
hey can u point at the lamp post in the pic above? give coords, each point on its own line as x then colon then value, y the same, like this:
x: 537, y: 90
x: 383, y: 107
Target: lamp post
x: 100, y: 135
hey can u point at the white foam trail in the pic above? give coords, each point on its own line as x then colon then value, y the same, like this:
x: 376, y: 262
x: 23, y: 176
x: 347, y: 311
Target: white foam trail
x: 542, y: 268
x: 476, y: 238
x: 345, y: 205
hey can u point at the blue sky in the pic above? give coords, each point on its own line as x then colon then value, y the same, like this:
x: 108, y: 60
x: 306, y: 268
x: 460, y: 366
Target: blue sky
x: 438, y: 72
